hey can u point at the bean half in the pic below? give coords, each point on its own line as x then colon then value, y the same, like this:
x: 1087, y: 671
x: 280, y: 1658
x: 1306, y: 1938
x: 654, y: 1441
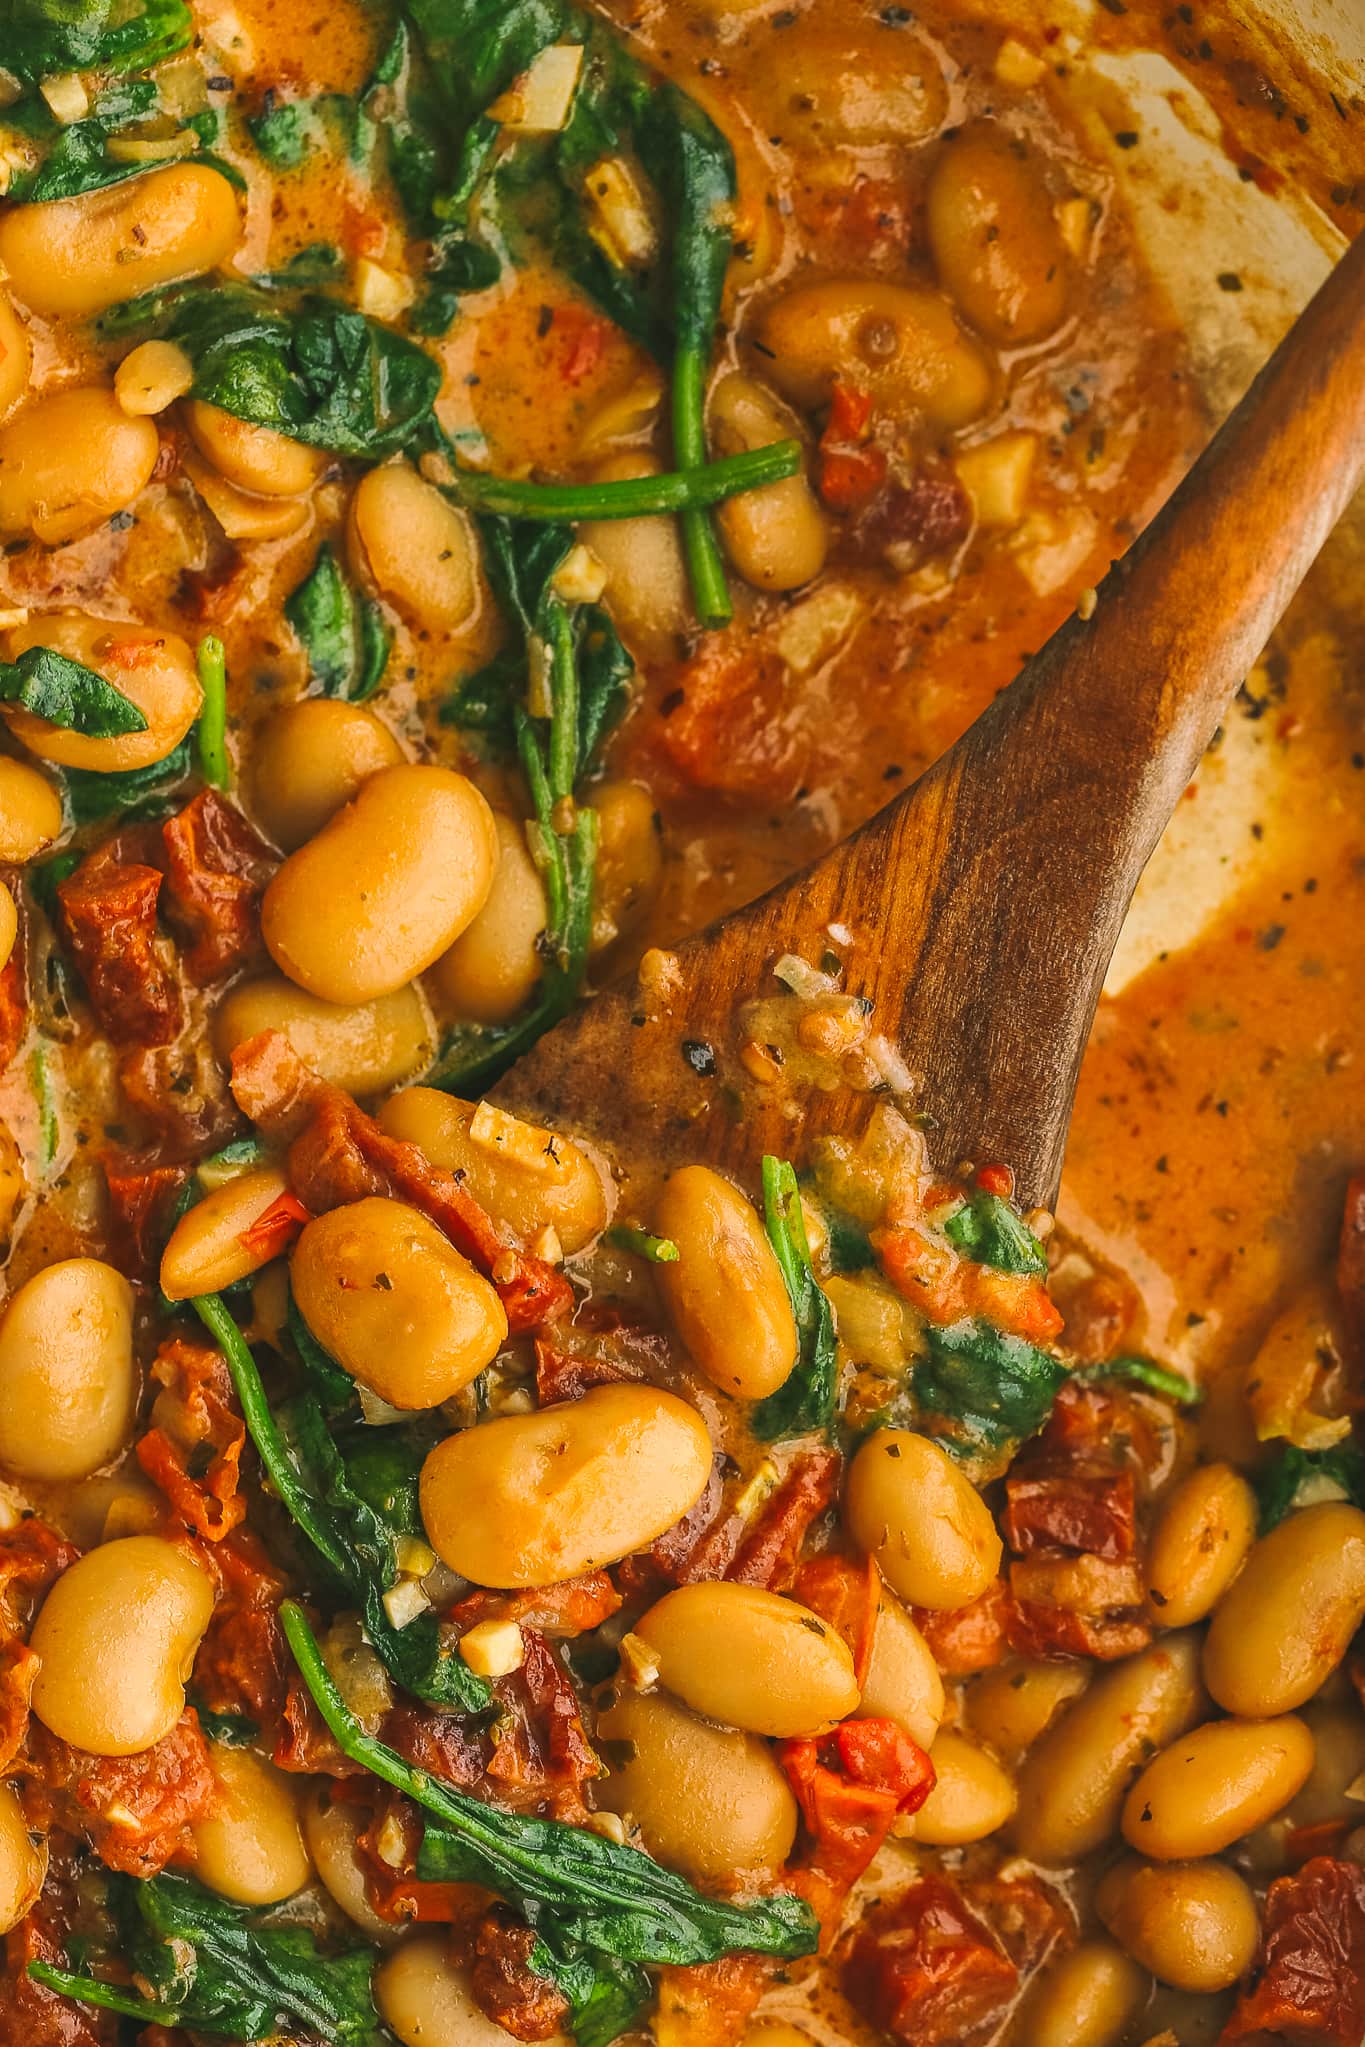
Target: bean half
x: 1200, y: 1542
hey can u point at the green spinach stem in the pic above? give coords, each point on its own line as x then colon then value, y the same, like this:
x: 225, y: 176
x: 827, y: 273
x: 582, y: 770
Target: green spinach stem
x: 710, y: 591
x: 213, y: 755
x: 689, y: 488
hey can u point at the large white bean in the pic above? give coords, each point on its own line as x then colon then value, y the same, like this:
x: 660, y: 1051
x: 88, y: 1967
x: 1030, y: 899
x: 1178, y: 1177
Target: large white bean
x: 68, y: 1381
x: 154, y: 670
x: 931, y: 1532
x: 69, y: 461
x: 69, y: 258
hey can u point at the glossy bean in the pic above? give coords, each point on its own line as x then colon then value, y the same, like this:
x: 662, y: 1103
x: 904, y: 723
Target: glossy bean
x: 1073, y: 1781
x: 972, y: 1797
x: 1217, y: 1783
x: 385, y: 888
x: 776, y: 537
x: 775, y: 2033
x: 68, y: 1381
x: 647, y: 590
x: 68, y: 462
x: 23, y: 1861
x: 750, y: 1659
x: 30, y: 811
x: 995, y: 238
x: 494, y: 967
x: 117, y: 1637
x: 211, y: 1246
x: 901, y: 345
x: 363, y: 1048
x: 1288, y: 1619
x: 250, y: 1848
x: 425, y: 1996
x: 725, y: 1292
x: 310, y: 759
x: 709, y: 1801
x: 1205, y: 1530
x: 417, y: 549
x: 852, y: 89
x: 392, y: 1300
x: 1191, y: 1924
x: 154, y: 670
x: 1338, y: 1770
x: 331, y: 1827
x: 530, y: 1178
x: 16, y: 357
x: 254, y: 458
x: 630, y: 860
x: 71, y: 258
x: 903, y: 1682
x: 1016, y: 1702
x: 533, y: 1499
x: 909, y: 1505
x: 1087, y: 1999
x: 241, y: 513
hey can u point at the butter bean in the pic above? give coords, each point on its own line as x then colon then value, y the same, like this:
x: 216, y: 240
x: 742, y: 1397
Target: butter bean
x: 630, y: 861
x: 1199, y: 1544
x: 30, y: 811
x: 311, y: 758
x: 709, y: 1801
x: 1072, y: 1783
x: 903, y: 1682
x: 254, y: 458
x: 751, y: 1659
x: 931, y: 1532
x: 777, y: 537
x: 725, y: 1292
x: 1192, y: 1924
x: 330, y: 1828
x: 1087, y: 1999
x: 68, y: 462
x: 972, y: 1796
x: 250, y: 1847
x: 1285, y: 1625
x: 647, y: 589
x: 530, y: 1178
x: 900, y: 344
x: 68, y: 1382
x: 154, y: 670
x: 424, y: 1995
x: 995, y: 237
x: 416, y: 547
x: 363, y: 1047
x: 494, y: 967
x: 71, y: 258
x: 23, y: 1861
x: 385, y: 888
x: 117, y: 1636
x: 393, y: 1301
x: 1217, y: 1783
x: 209, y: 1249
x: 533, y: 1499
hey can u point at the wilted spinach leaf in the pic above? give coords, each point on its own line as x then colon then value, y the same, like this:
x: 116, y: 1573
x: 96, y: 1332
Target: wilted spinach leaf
x: 992, y: 1390
x: 43, y: 37
x: 1299, y: 1478
x: 806, y: 1400
x: 49, y: 685
x: 988, y: 1230
x: 342, y: 632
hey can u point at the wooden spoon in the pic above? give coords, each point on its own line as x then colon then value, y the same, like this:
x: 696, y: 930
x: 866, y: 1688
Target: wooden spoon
x: 984, y: 903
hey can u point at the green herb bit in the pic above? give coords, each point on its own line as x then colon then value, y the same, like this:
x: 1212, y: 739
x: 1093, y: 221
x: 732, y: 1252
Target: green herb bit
x: 49, y: 1127
x: 342, y: 633
x: 44, y: 37
x: 213, y: 755
x: 63, y: 692
x: 226, y: 1970
x: 658, y: 1250
x: 992, y: 1389
x: 576, y: 1885
x: 689, y: 489
x: 989, y: 1231
x: 808, y: 1398
x: 1137, y: 1371
x: 1303, y: 1478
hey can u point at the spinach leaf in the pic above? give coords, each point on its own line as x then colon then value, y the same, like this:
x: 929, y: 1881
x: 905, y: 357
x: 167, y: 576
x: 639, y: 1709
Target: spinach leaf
x: 571, y: 1885
x: 288, y: 133
x: 342, y: 633
x: 1155, y: 1378
x: 318, y: 263
x: 324, y: 375
x: 128, y: 793
x: 43, y: 37
x: 807, y: 1398
x: 76, y: 157
x: 993, y: 1389
x: 605, y: 1993
x: 331, y: 1387
x: 579, y: 681
x: 225, y: 1969
x: 1299, y: 1478
x: 65, y: 693
x: 353, y: 1536
x: 988, y: 1230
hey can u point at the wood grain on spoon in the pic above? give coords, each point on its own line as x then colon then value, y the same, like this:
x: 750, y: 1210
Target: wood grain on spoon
x: 985, y: 901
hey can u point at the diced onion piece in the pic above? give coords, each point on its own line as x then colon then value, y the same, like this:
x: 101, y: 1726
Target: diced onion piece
x: 996, y: 476
x: 415, y: 1557
x: 814, y: 629
x: 1017, y: 64
x: 404, y: 1601
x: 66, y: 97
x: 580, y: 578
x: 526, y: 1144
x: 151, y: 148
x: 1076, y: 223
x: 381, y: 294
x: 493, y: 1648
x: 803, y: 979
x: 620, y: 219
x: 540, y: 101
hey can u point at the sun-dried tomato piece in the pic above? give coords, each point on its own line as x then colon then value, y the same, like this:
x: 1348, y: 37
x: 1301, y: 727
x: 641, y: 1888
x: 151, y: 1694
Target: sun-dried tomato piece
x: 729, y: 724
x: 770, y: 1550
x: 135, y: 1811
x: 32, y: 1557
x: 927, y: 1970
x: 30, y: 2013
x: 109, y: 922
x: 13, y: 1007
x: 193, y: 1451
x: 141, y: 1197
x: 848, y: 1596
x: 1093, y: 1511
x: 216, y: 871
x: 969, y: 1638
x: 850, y: 1787
x: 1036, y: 1629
x: 1311, y: 1991
x: 505, y: 1986
x: 573, y: 1607
x: 541, y: 1753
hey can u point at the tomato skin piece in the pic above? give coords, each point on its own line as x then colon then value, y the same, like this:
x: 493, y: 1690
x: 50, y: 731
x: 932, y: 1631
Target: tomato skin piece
x: 1312, y: 1983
